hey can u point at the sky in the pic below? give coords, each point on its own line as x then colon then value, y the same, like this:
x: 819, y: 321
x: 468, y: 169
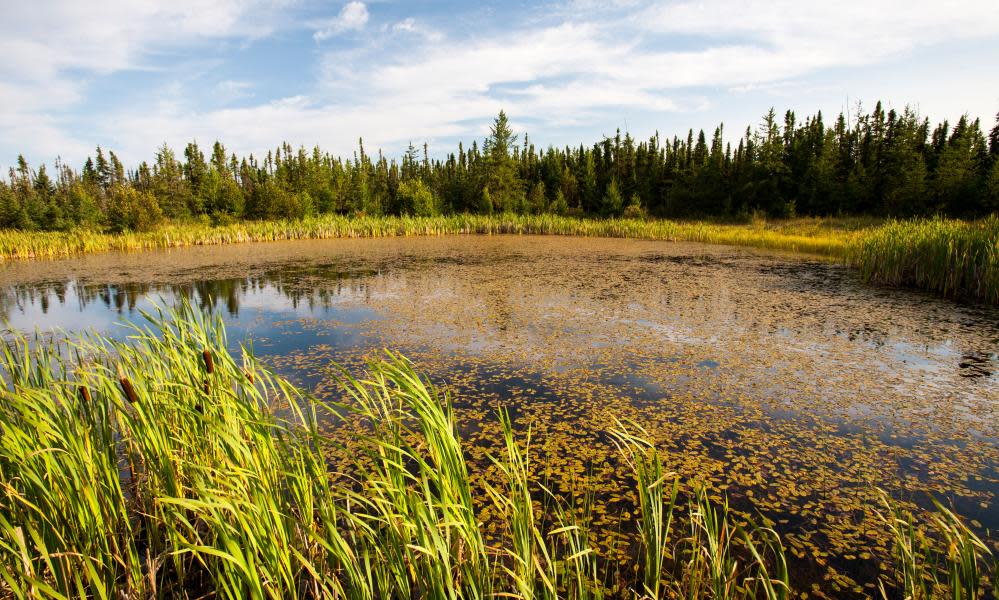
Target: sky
x: 131, y: 75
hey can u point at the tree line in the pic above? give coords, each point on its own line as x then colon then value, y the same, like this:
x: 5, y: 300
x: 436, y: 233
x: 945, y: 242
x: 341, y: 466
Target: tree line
x: 885, y: 163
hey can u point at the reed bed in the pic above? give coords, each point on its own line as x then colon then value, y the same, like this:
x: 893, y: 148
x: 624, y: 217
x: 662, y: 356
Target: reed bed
x: 810, y: 237
x: 957, y: 259
x: 167, y: 467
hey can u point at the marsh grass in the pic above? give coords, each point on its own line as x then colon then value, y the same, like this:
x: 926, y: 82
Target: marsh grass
x: 958, y: 259
x: 166, y: 467
x: 805, y: 235
x: 938, y: 556
x: 657, y: 491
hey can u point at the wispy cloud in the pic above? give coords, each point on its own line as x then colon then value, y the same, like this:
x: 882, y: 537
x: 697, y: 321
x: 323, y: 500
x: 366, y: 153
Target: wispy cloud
x: 229, y: 90
x: 353, y: 16
x: 411, y: 26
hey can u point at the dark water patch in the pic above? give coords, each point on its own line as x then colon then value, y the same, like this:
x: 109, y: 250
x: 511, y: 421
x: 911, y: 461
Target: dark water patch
x: 977, y: 364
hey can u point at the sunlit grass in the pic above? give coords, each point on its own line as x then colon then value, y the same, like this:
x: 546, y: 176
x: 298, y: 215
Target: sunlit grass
x: 166, y: 466
x: 949, y: 257
x: 805, y: 235
x: 938, y: 557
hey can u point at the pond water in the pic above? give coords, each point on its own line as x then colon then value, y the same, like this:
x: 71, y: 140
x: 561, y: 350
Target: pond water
x: 780, y: 381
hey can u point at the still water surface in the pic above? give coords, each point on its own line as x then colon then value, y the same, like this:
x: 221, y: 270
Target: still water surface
x: 782, y: 382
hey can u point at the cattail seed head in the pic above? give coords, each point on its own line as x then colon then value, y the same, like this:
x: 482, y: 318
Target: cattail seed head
x: 129, y: 389
x: 126, y: 386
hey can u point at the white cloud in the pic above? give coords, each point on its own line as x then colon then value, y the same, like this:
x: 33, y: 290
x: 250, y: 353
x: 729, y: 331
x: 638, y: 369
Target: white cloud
x: 409, y: 25
x: 353, y: 16
x: 643, y: 56
x: 810, y: 35
x: 585, y: 64
x: 52, y: 49
x: 102, y: 37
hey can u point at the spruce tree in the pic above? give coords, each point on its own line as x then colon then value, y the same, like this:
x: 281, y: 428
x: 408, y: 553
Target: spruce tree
x: 994, y: 140
x: 559, y: 206
x: 990, y: 202
x: 536, y: 202
x: 612, y: 202
x: 506, y: 190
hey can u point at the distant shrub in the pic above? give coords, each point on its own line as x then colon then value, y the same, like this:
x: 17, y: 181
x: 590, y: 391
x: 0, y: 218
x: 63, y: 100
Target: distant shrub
x: 130, y: 209
x: 416, y: 198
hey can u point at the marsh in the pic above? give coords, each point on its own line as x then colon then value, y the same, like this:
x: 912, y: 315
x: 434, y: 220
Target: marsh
x: 780, y: 381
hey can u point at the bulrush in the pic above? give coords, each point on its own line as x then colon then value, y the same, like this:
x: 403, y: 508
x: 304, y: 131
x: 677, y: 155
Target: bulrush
x: 126, y: 386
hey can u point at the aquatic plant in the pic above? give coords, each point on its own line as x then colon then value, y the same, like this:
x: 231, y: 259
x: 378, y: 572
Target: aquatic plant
x: 656, y: 502
x: 814, y: 235
x: 168, y: 466
x: 157, y: 465
x: 938, y: 558
x: 958, y: 259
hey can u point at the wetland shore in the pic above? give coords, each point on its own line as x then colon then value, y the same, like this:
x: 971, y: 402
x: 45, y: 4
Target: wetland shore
x: 952, y: 258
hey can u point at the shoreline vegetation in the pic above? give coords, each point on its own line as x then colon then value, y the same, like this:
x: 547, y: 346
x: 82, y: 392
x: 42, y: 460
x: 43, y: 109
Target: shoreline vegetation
x: 905, y: 182
x: 166, y: 466
x: 949, y: 257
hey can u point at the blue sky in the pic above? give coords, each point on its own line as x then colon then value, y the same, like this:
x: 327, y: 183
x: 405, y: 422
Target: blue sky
x: 131, y: 75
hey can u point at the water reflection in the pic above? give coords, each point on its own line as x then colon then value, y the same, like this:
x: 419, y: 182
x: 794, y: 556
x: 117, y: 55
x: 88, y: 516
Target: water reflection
x: 25, y: 303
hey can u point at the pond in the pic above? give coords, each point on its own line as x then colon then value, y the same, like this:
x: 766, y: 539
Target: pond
x: 780, y: 381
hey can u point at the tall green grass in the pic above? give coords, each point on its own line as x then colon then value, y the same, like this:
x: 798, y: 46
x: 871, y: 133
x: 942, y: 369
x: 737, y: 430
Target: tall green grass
x: 656, y: 502
x: 165, y: 466
x: 157, y: 466
x: 957, y: 259
x: 939, y: 557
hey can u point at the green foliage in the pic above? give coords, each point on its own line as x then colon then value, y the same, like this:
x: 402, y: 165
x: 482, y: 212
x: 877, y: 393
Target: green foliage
x: 220, y: 195
x: 939, y: 557
x: 506, y: 189
x: 12, y: 212
x: 559, y: 206
x: 416, y: 198
x: 656, y: 502
x: 132, y: 210
x: 537, y: 202
x: 85, y: 210
x: 953, y: 258
x: 634, y: 208
x: 156, y: 467
x: 168, y: 184
x: 486, y: 202
x: 991, y: 199
x: 272, y: 201
x: 612, y: 203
